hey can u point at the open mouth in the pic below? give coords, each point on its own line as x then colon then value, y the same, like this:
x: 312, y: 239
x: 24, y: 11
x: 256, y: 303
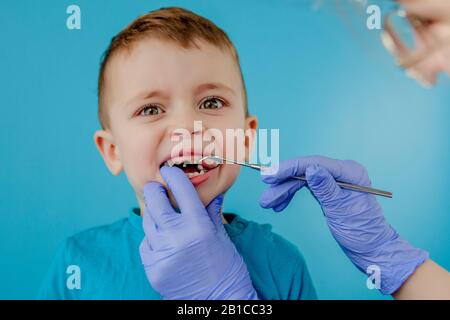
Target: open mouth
x: 191, y: 165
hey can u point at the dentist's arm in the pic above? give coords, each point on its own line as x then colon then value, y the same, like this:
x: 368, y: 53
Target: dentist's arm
x: 429, y: 281
x: 189, y: 255
x: 357, y: 223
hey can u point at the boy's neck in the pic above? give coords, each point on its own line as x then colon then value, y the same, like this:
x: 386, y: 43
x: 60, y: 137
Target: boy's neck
x: 142, y: 205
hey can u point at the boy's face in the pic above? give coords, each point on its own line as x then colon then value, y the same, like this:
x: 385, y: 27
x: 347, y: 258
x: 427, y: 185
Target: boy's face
x: 158, y: 88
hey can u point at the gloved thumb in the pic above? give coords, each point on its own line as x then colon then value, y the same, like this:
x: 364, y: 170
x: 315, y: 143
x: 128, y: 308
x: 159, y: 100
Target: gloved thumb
x: 322, y: 185
x: 214, y: 210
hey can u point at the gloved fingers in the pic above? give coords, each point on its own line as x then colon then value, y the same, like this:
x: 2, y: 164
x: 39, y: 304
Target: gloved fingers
x: 284, y: 170
x: 214, y: 210
x: 183, y: 191
x: 157, y: 240
x: 150, y: 228
x: 158, y: 204
x: 279, y: 195
x: 147, y: 252
x: 351, y: 171
x: 283, y: 205
x: 322, y: 185
x: 344, y: 170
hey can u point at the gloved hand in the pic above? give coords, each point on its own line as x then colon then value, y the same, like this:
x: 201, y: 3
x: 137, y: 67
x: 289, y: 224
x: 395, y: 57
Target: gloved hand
x: 188, y: 255
x: 355, y: 219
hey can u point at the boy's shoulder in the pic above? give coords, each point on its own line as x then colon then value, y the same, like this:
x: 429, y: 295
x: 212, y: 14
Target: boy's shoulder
x: 246, y: 234
x: 259, y: 238
x: 99, y: 240
x: 102, y: 255
x: 276, y: 265
x: 110, y: 230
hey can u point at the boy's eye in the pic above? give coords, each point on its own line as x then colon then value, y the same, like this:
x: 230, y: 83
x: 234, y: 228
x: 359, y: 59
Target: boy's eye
x: 150, y: 110
x: 212, y: 103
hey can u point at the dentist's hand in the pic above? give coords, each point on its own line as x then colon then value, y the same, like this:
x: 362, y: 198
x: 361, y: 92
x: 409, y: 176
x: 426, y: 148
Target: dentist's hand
x: 355, y: 219
x: 432, y: 39
x: 189, y: 255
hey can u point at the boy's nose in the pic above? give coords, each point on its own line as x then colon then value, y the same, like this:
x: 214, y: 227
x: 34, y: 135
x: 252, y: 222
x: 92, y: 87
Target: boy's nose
x: 182, y: 131
x: 186, y: 125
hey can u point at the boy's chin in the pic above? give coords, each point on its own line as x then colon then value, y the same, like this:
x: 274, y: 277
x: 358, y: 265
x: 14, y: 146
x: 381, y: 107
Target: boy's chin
x: 206, y: 196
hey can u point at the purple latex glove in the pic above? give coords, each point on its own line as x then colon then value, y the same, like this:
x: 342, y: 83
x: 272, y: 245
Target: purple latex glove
x: 355, y: 219
x: 188, y: 255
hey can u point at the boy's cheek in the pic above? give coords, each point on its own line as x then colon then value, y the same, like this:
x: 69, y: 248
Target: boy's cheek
x: 138, y: 178
x: 222, y: 182
x: 228, y: 176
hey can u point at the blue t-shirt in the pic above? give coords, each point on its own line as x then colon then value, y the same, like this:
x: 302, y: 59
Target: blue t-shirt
x: 107, y: 263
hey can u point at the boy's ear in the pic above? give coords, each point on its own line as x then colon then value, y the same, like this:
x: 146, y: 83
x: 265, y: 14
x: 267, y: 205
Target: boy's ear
x: 105, y: 144
x: 251, y: 124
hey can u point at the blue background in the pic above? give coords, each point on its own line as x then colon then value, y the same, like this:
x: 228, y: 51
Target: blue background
x: 329, y: 91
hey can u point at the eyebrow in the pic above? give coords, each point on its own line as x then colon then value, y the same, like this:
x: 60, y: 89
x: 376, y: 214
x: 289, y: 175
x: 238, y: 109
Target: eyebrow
x: 212, y: 86
x: 154, y: 94
x: 145, y: 96
x: 161, y: 94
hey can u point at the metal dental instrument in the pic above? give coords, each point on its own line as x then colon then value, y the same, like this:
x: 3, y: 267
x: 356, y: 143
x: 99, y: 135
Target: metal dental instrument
x: 344, y: 185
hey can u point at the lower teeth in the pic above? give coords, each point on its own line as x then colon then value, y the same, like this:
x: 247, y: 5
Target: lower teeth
x: 194, y: 174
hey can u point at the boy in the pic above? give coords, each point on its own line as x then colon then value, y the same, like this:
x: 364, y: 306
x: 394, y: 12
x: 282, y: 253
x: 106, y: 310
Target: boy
x: 166, y: 71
